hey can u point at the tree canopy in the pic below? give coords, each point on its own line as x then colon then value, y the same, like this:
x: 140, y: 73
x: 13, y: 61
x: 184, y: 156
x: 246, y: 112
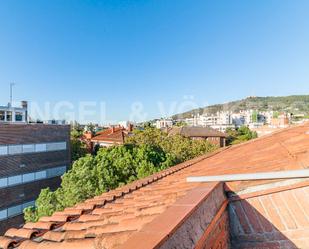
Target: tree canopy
x: 240, y: 135
x: 144, y: 153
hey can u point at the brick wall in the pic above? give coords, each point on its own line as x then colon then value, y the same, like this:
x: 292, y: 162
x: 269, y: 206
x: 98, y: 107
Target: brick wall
x: 11, y: 165
x: 31, y: 162
x: 14, y: 222
x: 33, y: 133
x: 272, y: 219
x: 218, y: 238
x: 25, y: 192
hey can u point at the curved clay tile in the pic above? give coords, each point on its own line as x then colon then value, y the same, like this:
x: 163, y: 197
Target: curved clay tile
x: 6, y: 243
x: 72, y: 244
x: 55, y: 218
x: 22, y: 233
x: 54, y: 236
x: 40, y: 225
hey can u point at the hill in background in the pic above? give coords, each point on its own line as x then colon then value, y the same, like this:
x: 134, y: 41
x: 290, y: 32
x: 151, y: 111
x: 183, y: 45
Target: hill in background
x: 296, y: 104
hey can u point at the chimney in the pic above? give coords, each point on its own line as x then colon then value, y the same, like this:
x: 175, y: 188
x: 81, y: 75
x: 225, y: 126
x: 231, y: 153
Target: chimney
x: 113, y: 129
x: 130, y: 127
x: 88, y: 135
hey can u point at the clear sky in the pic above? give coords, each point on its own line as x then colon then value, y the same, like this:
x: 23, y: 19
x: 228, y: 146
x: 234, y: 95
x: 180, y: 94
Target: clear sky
x: 158, y: 53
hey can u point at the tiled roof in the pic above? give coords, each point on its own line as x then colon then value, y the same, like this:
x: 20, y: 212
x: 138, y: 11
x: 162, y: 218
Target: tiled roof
x: 109, y: 220
x: 196, y: 131
x: 112, y: 135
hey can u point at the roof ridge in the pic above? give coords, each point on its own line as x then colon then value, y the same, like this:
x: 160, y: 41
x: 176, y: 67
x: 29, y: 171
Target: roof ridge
x: 70, y: 214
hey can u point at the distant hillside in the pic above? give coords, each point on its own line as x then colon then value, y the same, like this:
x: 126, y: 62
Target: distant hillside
x: 294, y: 104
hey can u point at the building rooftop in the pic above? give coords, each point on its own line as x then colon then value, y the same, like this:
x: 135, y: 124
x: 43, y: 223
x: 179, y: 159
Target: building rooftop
x: 196, y: 131
x: 166, y: 211
x: 111, y: 135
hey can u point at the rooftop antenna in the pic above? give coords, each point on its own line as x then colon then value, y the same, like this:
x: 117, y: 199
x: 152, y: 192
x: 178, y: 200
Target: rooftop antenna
x: 11, y: 94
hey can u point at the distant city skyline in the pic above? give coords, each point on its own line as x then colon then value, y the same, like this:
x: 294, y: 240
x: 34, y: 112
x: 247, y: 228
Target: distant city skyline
x: 158, y: 55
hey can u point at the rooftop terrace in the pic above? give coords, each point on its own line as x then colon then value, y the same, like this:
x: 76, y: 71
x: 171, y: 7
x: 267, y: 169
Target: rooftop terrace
x: 166, y: 211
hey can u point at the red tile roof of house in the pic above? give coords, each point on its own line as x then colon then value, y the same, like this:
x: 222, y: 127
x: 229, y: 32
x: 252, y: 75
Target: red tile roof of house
x: 127, y: 216
x: 111, y: 135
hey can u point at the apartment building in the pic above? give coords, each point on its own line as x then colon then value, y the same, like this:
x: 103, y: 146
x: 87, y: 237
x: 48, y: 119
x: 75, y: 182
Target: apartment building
x: 220, y: 121
x: 32, y: 157
x: 9, y: 114
x: 164, y: 123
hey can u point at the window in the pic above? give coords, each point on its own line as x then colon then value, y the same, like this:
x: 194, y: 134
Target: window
x: 18, y: 116
x: 40, y: 175
x: 15, y: 210
x: 56, y: 146
x: 15, y: 149
x: 28, y: 177
x: 3, y: 214
x: 3, y: 150
x: 28, y: 148
x: 13, y: 180
x: 40, y: 147
x: 3, y: 182
x: 31, y: 177
x: 28, y: 204
x: 62, y: 146
x: 31, y: 148
x: 2, y: 115
x: 8, y: 116
x: 56, y: 171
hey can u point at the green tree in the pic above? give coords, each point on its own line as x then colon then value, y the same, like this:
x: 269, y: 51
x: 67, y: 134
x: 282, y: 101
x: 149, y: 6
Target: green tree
x: 78, y: 147
x: 145, y: 153
x: 240, y: 135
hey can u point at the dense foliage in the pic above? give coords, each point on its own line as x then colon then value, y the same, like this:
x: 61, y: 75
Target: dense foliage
x: 178, y: 147
x: 78, y: 147
x: 240, y: 135
x: 145, y: 153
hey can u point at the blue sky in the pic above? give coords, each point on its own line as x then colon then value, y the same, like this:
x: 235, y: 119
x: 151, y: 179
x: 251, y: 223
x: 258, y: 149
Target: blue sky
x: 157, y: 53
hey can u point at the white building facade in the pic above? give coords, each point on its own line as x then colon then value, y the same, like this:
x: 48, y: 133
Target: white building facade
x: 9, y: 114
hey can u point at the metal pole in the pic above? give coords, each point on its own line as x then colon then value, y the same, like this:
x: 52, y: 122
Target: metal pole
x: 288, y: 174
x: 11, y: 93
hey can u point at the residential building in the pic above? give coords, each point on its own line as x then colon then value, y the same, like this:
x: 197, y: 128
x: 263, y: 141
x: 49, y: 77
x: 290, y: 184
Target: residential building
x: 164, y: 123
x: 115, y: 135
x: 10, y: 114
x: 165, y: 210
x: 219, y: 121
x: 282, y: 121
x: 32, y: 157
x: 238, y: 119
x: 200, y: 133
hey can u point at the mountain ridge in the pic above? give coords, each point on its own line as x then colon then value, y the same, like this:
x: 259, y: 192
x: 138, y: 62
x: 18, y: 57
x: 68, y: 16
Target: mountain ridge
x: 296, y: 104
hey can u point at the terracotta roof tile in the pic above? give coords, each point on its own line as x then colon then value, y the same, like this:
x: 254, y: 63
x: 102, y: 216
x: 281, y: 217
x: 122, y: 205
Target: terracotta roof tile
x: 22, y: 233
x: 7, y: 242
x: 41, y: 225
x: 68, y: 244
x: 114, y: 135
x: 110, y: 219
